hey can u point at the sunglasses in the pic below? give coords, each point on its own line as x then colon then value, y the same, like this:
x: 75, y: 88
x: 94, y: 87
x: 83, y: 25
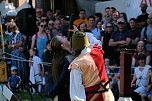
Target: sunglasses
x: 12, y: 28
x: 43, y: 26
x: 38, y: 12
x: 109, y: 26
x: 50, y: 24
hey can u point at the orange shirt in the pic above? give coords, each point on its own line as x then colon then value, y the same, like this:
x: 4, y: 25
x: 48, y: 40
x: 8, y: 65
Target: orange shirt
x: 78, y: 21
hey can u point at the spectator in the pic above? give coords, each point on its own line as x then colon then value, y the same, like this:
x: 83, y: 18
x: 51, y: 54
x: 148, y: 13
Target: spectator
x: 36, y: 70
x: 146, y: 34
x: 49, y: 14
x: 124, y: 16
x: 140, y: 78
x: 107, y: 16
x: 40, y: 38
x: 15, y: 44
x: 57, y: 28
x: 82, y: 18
x: 115, y: 17
x: 82, y: 27
x: 136, y: 32
x: 91, y: 26
x: 107, y: 66
x: 65, y: 25
x: 99, y: 26
x: 147, y: 95
x: 44, y: 18
x: 39, y: 12
x: 98, y: 17
x: 50, y: 26
x: 108, y: 50
x: 14, y: 81
x: 112, y: 10
x: 107, y: 12
x: 62, y: 57
x: 141, y: 49
x: 142, y: 19
x: 47, y: 58
x: 120, y: 39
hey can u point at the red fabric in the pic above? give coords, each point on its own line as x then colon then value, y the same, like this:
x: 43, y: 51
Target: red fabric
x: 96, y: 54
x: 94, y: 88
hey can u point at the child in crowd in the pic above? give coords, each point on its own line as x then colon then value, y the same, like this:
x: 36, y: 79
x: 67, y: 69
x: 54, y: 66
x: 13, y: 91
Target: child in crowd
x: 14, y: 81
x: 106, y: 61
x: 47, y: 57
x: 147, y: 94
x: 114, y: 76
x: 36, y: 70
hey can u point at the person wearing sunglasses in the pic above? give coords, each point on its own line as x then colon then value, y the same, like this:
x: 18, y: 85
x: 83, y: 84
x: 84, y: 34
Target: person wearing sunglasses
x: 16, y: 45
x: 40, y: 38
x: 108, y: 51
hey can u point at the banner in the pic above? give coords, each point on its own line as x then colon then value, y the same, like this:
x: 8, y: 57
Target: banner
x: 3, y: 72
x: 133, y: 7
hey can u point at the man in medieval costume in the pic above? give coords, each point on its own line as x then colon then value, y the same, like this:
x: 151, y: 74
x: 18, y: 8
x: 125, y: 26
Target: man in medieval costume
x: 88, y: 78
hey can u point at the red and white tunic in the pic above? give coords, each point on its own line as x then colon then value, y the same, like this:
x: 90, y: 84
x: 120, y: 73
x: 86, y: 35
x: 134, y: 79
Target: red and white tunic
x: 87, y: 71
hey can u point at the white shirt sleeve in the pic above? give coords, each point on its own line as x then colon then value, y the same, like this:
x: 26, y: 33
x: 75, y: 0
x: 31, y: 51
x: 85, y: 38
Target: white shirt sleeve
x: 77, y: 90
x: 93, y: 40
x: 39, y: 61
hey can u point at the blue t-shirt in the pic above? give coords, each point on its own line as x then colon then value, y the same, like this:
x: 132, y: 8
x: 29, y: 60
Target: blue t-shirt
x: 14, y: 80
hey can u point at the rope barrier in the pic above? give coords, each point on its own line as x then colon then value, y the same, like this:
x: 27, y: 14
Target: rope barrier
x: 22, y: 59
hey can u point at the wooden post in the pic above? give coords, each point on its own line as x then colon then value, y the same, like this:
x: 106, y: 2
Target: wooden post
x: 125, y: 73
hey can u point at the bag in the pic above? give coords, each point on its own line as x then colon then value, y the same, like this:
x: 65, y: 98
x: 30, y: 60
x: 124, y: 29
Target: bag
x: 38, y: 79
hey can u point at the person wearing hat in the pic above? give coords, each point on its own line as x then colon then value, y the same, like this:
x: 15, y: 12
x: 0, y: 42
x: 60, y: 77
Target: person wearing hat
x: 14, y: 80
x: 120, y: 39
x: 88, y: 78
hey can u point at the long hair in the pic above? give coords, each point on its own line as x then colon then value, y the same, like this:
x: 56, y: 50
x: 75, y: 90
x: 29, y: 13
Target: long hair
x: 58, y: 54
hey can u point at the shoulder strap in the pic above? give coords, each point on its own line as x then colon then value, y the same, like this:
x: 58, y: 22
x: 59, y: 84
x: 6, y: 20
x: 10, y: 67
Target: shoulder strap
x: 47, y: 35
x: 145, y: 33
x: 36, y: 36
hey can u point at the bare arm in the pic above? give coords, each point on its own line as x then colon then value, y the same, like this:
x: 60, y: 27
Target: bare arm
x: 134, y: 42
x: 148, y: 58
x: 33, y: 41
x: 133, y: 80
x: 133, y: 61
x: 112, y: 43
x: 9, y: 86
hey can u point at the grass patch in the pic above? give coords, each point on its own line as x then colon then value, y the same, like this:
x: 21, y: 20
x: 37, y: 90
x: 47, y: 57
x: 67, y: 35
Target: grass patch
x: 23, y: 96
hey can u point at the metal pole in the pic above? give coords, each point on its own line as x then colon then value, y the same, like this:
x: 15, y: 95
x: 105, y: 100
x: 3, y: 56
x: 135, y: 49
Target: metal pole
x: 2, y: 37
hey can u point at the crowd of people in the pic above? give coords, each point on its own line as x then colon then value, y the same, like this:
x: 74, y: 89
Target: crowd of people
x: 50, y: 55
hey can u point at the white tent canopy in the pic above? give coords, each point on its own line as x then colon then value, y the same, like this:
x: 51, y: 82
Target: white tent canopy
x: 8, y: 9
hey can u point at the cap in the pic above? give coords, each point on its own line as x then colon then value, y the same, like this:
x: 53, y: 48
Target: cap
x: 120, y: 20
x: 79, y: 40
x: 13, y: 68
